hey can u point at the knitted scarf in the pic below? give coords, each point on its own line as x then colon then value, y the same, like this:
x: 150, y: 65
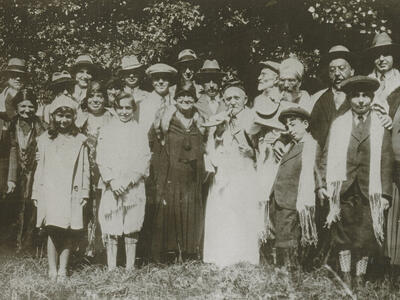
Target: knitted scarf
x: 305, y: 203
x: 336, y: 169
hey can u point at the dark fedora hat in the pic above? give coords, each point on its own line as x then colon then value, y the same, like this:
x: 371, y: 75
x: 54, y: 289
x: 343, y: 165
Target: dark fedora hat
x: 210, y: 69
x: 85, y: 61
x: 382, y: 42
x: 61, y: 78
x: 359, y: 83
x: 17, y: 66
x: 295, y: 111
x: 339, y: 51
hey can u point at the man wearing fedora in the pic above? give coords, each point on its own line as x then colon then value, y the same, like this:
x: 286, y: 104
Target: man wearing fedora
x: 383, y: 53
x: 331, y: 101
x: 131, y: 72
x: 83, y: 71
x: 357, y: 167
x: 187, y: 66
x: 210, y: 77
x: 16, y: 75
x: 61, y: 84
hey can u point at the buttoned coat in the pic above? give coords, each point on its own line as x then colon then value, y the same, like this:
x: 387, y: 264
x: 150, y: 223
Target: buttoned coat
x: 286, y: 185
x: 358, y: 160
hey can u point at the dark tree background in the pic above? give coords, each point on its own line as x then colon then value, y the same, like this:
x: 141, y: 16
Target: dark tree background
x: 51, y: 33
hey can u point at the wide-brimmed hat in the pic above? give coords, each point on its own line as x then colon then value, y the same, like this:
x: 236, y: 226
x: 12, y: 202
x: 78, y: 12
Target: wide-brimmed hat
x: 129, y: 64
x: 295, y: 111
x: 187, y: 56
x: 382, y: 42
x: 210, y: 69
x: 268, y: 116
x: 16, y: 65
x: 61, y: 78
x: 85, y: 61
x: 161, y: 68
x: 272, y: 65
x: 338, y: 51
x: 359, y: 83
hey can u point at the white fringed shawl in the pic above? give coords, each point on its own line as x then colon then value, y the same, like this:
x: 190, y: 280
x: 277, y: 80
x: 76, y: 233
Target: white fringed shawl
x: 336, y: 169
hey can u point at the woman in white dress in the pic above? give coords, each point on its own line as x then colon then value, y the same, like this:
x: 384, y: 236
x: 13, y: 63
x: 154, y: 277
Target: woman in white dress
x: 233, y: 219
x: 123, y: 159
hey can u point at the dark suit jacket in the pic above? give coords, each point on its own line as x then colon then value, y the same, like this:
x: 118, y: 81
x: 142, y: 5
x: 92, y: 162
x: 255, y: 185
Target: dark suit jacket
x: 204, y: 109
x: 358, y: 161
x: 286, y: 183
x: 322, y: 116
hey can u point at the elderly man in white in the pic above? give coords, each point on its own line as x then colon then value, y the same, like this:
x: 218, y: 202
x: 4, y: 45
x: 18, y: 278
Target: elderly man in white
x: 233, y: 218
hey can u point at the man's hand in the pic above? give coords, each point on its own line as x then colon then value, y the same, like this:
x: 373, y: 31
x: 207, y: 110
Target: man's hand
x: 35, y: 202
x: 384, y: 203
x: 117, y: 187
x: 322, y: 195
x: 11, y: 187
x: 279, y: 150
x: 386, y: 121
x: 84, y: 201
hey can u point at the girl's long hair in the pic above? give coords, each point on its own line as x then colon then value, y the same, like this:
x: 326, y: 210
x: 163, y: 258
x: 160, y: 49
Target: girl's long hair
x: 94, y: 87
x: 53, y: 130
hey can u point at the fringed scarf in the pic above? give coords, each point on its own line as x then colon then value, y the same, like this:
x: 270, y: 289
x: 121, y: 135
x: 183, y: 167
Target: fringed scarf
x: 336, y: 169
x: 305, y: 203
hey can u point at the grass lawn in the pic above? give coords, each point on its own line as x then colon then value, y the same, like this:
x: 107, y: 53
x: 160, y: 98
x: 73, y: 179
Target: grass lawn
x: 25, y: 278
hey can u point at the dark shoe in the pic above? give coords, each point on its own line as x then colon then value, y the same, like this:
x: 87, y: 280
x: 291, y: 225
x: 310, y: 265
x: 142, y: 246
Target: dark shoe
x: 359, y: 282
x: 347, y: 280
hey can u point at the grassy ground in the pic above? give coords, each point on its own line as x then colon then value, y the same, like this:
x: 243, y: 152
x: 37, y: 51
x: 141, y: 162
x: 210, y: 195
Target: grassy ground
x: 25, y: 278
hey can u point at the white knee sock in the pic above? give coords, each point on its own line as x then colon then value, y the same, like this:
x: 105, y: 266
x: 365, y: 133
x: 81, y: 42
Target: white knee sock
x: 345, y: 260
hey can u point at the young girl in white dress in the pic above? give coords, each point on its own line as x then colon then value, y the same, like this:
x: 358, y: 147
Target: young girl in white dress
x: 61, y: 184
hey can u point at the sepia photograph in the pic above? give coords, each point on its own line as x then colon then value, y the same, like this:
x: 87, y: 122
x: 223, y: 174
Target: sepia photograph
x: 199, y: 149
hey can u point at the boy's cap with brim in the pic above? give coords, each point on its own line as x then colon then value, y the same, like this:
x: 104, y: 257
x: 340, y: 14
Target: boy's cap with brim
x: 359, y: 83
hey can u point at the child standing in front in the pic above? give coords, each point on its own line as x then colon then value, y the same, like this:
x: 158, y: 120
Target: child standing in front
x: 293, y: 193
x: 61, y: 184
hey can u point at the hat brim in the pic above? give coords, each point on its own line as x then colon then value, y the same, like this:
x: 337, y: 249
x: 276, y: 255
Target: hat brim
x: 376, y: 50
x: 201, y: 76
x: 294, y: 113
x: 93, y: 68
x: 348, y: 56
x: 268, y: 122
x: 63, y: 81
x: 194, y: 61
x: 15, y: 71
x: 370, y: 86
x: 138, y: 69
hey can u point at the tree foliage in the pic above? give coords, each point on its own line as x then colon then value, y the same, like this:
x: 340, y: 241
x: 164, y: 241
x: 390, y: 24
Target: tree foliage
x: 51, y: 33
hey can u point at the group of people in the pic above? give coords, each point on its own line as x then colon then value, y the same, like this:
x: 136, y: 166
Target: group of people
x: 193, y: 170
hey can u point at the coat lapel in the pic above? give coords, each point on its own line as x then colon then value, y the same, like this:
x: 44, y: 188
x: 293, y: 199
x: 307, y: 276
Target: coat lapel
x: 293, y: 152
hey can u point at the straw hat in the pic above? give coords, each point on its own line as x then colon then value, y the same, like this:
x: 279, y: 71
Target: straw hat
x: 129, y: 64
x: 84, y: 61
x: 338, y: 51
x: 382, y: 42
x: 16, y: 65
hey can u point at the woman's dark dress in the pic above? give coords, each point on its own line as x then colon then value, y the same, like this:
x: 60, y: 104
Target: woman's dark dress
x: 179, y: 218
x: 21, y: 171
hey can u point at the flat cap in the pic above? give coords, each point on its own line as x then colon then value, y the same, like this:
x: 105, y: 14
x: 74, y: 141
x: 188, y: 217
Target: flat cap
x: 296, y: 111
x: 161, y: 68
x: 274, y: 66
